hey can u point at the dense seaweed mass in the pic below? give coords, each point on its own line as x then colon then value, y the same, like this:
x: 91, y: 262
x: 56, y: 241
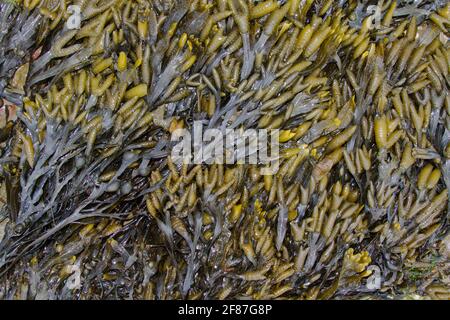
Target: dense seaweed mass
x: 94, y: 206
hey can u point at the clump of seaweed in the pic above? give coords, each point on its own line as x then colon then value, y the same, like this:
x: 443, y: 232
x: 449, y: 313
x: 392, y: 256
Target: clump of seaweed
x: 97, y: 207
